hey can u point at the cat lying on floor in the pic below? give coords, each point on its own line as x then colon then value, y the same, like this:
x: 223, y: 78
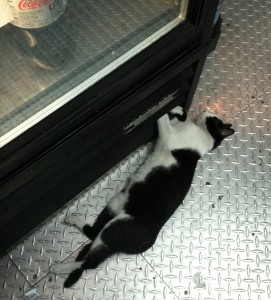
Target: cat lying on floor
x: 132, y: 220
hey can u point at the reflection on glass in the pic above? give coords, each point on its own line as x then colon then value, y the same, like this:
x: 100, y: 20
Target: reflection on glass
x: 43, y: 64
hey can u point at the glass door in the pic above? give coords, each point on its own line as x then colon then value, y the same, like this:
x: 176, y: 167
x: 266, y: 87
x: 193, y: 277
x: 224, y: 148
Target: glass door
x: 43, y: 68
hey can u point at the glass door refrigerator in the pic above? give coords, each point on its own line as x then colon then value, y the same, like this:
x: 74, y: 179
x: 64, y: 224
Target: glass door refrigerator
x: 82, y: 84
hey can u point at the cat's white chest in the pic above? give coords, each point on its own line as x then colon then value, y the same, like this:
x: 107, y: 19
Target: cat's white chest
x: 189, y: 136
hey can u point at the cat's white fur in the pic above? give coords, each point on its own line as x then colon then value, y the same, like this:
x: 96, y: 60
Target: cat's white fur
x: 117, y: 203
x: 75, y: 221
x: 186, y: 135
x: 201, y: 119
x: 65, y: 268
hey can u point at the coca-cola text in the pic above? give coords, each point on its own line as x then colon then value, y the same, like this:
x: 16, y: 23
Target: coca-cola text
x: 33, y: 4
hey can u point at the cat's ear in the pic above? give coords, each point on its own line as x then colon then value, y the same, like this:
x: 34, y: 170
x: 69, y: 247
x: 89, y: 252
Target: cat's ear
x: 218, y: 129
x: 225, y: 130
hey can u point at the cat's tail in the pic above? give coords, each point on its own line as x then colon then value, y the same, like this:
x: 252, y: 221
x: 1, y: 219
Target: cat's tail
x: 73, y: 277
x: 93, y: 259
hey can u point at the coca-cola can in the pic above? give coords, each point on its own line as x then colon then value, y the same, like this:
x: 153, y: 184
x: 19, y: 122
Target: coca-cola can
x: 36, y: 13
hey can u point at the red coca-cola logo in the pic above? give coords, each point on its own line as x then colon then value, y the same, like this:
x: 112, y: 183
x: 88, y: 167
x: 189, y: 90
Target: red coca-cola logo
x: 32, y: 4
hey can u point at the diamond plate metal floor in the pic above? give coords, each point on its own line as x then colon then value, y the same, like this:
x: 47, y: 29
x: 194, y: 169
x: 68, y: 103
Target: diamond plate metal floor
x: 217, y: 245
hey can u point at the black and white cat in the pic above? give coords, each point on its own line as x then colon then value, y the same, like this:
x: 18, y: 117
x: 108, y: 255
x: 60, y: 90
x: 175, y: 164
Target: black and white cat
x: 132, y: 220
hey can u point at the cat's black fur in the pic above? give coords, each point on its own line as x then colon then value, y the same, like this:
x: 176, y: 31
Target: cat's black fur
x: 132, y: 220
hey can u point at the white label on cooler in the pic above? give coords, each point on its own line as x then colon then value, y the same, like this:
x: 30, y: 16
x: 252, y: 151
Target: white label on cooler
x: 36, y: 13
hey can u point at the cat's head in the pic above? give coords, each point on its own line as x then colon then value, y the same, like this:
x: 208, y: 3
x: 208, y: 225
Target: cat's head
x: 215, y: 126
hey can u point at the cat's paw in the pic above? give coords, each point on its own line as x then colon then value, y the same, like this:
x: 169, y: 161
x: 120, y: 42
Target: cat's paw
x: 57, y: 269
x: 65, y: 268
x: 178, y: 110
x: 178, y: 113
x: 71, y: 220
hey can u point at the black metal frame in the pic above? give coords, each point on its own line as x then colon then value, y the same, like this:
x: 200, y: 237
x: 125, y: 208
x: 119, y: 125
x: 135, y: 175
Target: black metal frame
x: 54, y: 160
